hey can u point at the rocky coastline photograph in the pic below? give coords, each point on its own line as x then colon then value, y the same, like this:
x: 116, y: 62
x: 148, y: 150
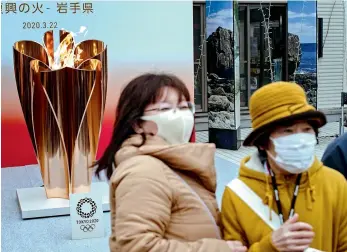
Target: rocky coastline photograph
x: 302, y: 58
x: 220, y: 65
x: 302, y: 47
x: 220, y: 102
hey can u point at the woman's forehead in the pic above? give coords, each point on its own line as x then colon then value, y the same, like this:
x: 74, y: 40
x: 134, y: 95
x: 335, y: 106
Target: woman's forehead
x: 170, y: 95
x: 300, y: 123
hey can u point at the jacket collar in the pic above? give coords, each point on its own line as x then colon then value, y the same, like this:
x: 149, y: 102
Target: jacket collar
x: 196, y: 158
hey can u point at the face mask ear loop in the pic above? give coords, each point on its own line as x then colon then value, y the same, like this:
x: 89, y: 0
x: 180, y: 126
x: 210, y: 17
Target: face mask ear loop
x: 184, y: 132
x: 271, y: 156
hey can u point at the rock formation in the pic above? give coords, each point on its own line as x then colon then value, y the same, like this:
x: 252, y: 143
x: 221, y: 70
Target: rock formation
x: 220, y: 66
x: 309, y: 83
x: 294, y: 53
x: 307, y: 80
x: 220, y: 77
x: 220, y: 53
x: 220, y: 102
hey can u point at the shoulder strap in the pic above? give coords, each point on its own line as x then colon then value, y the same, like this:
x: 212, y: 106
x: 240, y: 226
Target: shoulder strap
x: 256, y: 204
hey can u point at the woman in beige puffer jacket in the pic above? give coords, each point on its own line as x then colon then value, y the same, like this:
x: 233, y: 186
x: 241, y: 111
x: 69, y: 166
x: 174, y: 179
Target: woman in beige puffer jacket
x: 162, y: 192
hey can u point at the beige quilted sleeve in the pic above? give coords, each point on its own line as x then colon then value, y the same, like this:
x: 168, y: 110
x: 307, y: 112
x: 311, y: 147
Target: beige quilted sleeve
x: 143, y: 199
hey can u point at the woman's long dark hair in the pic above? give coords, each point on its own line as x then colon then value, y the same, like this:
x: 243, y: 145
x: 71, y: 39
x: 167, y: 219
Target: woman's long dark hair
x: 140, y: 92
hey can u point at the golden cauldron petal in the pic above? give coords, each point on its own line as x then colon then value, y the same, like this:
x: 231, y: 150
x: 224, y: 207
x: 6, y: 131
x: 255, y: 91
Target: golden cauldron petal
x: 91, y: 64
x: 87, y: 139
x: 74, y: 101
x: 94, y: 49
x: 49, y: 141
x: 23, y: 53
x: 89, y: 49
x: 32, y: 50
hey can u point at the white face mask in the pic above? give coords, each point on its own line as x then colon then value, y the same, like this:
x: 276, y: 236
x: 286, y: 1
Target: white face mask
x: 294, y: 153
x: 175, y: 125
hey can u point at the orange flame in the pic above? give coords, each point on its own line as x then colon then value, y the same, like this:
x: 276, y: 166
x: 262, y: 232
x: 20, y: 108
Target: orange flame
x: 65, y: 55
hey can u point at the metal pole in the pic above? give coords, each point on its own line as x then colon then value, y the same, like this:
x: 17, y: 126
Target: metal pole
x: 342, y: 119
x: 342, y: 127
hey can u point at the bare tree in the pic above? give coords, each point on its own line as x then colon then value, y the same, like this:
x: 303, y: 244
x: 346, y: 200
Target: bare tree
x: 266, y: 25
x: 202, y: 46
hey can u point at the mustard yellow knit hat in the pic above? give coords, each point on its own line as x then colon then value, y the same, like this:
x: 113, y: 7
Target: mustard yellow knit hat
x: 276, y: 103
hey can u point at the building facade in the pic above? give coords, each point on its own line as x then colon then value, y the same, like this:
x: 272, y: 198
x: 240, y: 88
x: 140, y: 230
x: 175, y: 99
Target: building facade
x: 240, y: 46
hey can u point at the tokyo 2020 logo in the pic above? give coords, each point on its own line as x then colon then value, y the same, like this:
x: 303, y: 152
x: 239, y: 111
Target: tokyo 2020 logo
x: 80, y: 211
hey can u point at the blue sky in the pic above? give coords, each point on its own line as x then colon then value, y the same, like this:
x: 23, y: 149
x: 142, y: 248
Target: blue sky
x: 302, y: 20
x: 219, y: 14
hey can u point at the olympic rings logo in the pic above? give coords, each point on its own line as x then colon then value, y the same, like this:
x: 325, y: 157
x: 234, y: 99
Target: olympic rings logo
x: 87, y: 228
x: 92, y: 205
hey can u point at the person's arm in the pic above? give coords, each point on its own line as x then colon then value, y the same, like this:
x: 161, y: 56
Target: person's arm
x: 232, y: 229
x: 334, y: 160
x: 335, y: 156
x: 143, y: 211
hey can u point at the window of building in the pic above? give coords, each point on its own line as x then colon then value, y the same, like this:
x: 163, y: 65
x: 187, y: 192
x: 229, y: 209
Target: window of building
x: 254, y: 46
x: 200, y: 86
x: 254, y: 63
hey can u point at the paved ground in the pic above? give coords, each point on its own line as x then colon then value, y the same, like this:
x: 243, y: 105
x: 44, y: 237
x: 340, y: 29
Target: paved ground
x: 38, y: 235
x: 327, y: 135
x: 54, y: 234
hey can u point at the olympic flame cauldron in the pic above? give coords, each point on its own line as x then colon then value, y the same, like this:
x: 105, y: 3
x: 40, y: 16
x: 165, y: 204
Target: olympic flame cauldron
x: 63, y: 101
